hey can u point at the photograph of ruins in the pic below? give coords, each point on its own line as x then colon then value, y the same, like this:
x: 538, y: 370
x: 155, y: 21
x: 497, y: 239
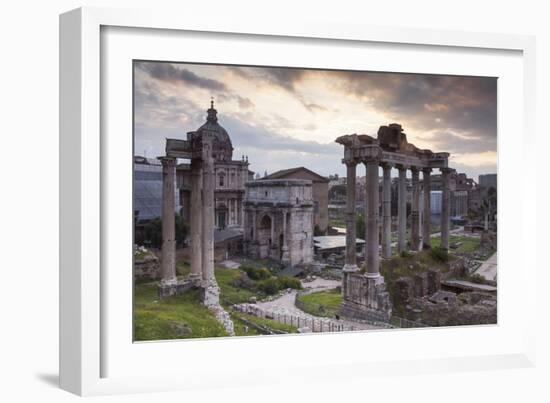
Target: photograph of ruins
x: 274, y: 200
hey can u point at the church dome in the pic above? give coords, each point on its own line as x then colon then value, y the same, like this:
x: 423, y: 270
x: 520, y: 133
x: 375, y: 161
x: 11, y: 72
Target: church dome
x: 222, y: 147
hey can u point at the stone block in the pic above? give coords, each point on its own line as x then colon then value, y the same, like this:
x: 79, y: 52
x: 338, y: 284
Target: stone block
x: 433, y: 281
x: 420, y: 284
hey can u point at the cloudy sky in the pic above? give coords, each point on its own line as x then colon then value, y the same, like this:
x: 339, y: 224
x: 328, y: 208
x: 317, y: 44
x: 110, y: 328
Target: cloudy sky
x: 283, y: 117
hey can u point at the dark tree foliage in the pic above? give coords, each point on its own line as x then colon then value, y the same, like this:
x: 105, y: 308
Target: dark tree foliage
x: 360, y: 226
x: 153, y: 232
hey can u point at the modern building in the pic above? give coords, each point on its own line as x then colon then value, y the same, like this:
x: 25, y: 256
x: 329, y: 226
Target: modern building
x: 279, y: 220
x: 488, y: 181
x: 320, y: 192
x: 147, y: 189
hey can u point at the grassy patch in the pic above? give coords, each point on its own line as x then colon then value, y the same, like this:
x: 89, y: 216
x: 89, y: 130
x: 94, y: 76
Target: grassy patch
x: 231, y: 294
x: 465, y: 244
x: 323, y: 303
x: 184, y: 316
x: 177, y: 317
x: 140, y: 255
x: 267, y: 323
x: 337, y: 222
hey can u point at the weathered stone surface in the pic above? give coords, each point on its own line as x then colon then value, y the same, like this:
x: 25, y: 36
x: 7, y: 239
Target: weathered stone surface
x: 173, y: 287
x: 420, y: 283
x: 210, y: 294
x: 147, y: 268
x: 443, y: 296
x: 365, y: 298
x: 433, y: 277
x: 463, y: 310
x: 279, y: 220
x: 403, y: 290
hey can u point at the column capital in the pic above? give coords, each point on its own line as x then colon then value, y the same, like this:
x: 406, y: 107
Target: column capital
x: 371, y: 160
x: 167, y: 161
x: 415, y: 170
x: 426, y: 170
x: 402, y: 167
x: 446, y: 170
x: 386, y: 165
x: 350, y: 163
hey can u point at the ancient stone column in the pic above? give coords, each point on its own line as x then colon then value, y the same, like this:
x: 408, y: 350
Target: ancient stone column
x: 445, y: 208
x: 351, y: 249
x: 415, y: 206
x: 373, y: 260
x: 427, y: 208
x: 168, y: 255
x: 285, y: 258
x: 211, y: 291
x: 402, y: 209
x: 196, y: 219
x: 386, y: 211
x: 254, y: 226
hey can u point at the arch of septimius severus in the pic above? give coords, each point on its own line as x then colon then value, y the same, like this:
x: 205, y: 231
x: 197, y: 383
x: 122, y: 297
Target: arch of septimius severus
x: 365, y: 295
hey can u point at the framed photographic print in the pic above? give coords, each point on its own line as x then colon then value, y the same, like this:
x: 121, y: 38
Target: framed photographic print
x: 314, y: 197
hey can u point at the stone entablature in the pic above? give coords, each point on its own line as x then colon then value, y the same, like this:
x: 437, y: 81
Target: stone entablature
x: 280, y: 192
x: 390, y: 147
x: 279, y: 220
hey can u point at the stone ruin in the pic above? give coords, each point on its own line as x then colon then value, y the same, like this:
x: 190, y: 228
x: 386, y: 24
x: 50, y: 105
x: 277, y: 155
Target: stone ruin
x: 364, y: 291
x: 202, y: 148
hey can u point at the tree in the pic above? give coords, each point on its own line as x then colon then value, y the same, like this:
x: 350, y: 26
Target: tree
x: 360, y: 226
x: 153, y: 232
x: 337, y: 191
x: 317, y: 231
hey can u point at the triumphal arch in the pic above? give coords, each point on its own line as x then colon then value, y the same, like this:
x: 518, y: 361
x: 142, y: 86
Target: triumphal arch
x: 364, y: 290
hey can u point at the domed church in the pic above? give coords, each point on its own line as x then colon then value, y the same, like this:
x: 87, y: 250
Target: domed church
x: 230, y: 176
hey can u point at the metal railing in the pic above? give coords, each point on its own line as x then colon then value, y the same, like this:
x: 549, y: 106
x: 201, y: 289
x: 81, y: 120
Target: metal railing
x: 317, y: 325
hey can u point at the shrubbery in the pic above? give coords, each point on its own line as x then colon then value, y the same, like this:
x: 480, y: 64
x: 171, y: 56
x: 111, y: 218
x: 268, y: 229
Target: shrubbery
x: 477, y: 278
x: 439, y: 254
x: 273, y: 285
x: 256, y: 273
x: 270, y: 286
x: 289, y: 282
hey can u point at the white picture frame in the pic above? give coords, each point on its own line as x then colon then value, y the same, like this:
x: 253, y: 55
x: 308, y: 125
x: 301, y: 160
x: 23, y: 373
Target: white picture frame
x: 85, y: 344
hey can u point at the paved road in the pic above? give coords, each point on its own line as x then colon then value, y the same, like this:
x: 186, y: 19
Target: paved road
x: 488, y: 269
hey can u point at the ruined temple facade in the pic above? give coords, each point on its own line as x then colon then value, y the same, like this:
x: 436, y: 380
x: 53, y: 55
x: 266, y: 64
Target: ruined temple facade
x: 230, y: 177
x: 205, y: 149
x: 279, y: 218
x: 364, y: 291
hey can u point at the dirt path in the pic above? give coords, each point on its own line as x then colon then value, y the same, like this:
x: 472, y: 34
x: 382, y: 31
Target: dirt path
x: 284, y: 305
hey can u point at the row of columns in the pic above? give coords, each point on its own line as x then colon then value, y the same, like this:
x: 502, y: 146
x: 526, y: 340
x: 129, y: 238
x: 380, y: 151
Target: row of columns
x: 372, y: 213
x: 201, y: 217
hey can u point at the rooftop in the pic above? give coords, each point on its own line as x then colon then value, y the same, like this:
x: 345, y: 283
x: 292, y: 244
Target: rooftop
x: 332, y: 242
